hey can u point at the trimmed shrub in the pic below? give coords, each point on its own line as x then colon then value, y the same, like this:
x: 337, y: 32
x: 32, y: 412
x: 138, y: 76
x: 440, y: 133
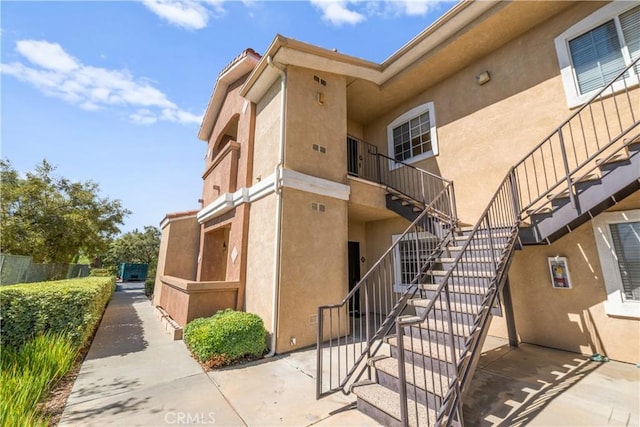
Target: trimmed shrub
x: 100, y: 272
x: 71, y: 307
x: 226, y: 337
x: 148, y: 286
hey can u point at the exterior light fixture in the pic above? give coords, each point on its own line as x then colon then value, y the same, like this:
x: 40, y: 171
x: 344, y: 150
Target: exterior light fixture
x: 483, y: 78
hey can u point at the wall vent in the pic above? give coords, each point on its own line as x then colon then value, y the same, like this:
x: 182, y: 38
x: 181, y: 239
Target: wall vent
x: 319, y: 80
x: 319, y: 148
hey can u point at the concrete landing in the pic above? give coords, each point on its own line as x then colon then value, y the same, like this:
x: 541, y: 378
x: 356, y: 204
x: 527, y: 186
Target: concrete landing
x: 539, y: 386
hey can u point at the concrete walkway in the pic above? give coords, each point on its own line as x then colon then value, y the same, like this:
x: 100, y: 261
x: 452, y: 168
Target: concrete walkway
x: 135, y: 374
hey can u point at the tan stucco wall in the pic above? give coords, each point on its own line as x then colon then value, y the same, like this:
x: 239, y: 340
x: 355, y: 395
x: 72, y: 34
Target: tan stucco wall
x: 483, y: 130
x: 222, y: 177
x: 310, y: 123
x: 178, y: 255
x: 267, y: 134
x: 314, y: 264
x: 182, y: 249
x: 379, y: 235
x: 185, y: 301
x: 355, y: 129
x: 260, y: 259
x: 571, y: 319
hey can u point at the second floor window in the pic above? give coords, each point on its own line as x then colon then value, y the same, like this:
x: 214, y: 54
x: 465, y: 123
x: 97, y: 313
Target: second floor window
x: 412, y: 136
x: 595, y: 50
x: 598, y: 55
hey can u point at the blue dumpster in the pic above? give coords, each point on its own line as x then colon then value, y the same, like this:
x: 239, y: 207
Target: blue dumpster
x: 129, y: 272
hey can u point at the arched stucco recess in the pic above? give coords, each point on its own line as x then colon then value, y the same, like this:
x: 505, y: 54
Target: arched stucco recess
x: 230, y: 133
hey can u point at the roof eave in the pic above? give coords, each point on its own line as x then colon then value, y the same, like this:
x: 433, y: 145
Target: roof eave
x: 228, y: 77
x: 292, y: 52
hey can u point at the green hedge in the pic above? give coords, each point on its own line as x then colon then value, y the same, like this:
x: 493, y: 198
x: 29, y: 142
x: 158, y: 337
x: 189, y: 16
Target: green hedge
x: 149, y: 284
x: 100, y: 272
x: 226, y: 336
x: 72, y: 307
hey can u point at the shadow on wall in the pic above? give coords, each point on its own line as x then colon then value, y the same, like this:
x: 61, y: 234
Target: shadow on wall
x: 570, y: 319
x: 120, y: 330
x: 512, y: 386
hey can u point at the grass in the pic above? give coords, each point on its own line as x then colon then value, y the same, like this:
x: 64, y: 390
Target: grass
x: 28, y: 374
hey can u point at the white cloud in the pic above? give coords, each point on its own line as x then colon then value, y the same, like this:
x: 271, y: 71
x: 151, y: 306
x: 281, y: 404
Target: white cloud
x: 414, y: 7
x: 189, y: 14
x: 143, y: 117
x: 337, y: 12
x: 47, y: 55
x: 58, y: 74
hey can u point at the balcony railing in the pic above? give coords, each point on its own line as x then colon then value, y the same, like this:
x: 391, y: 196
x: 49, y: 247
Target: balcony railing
x: 362, y: 159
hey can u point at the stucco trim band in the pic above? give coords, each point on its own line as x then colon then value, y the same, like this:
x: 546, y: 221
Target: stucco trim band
x: 315, y: 185
x: 289, y: 179
x: 190, y: 287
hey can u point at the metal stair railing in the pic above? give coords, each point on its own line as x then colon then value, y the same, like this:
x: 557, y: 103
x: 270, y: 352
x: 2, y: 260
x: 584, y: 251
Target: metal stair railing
x: 364, y: 161
x: 345, y: 342
x: 409, y: 181
x: 568, y: 155
x: 495, y: 235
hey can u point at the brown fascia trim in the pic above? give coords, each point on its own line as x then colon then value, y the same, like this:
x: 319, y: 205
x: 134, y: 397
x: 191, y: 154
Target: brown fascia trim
x: 178, y: 215
x: 238, y: 67
x: 280, y: 41
x: 439, y: 23
x: 452, y: 21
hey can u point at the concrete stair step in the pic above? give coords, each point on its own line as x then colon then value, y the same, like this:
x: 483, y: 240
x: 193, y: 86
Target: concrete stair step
x: 496, y: 247
x: 463, y: 273
x: 456, y: 288
x: 425, y: 349
x: 458, y: 307
x: 484, y: 236
x: 382, y: 405
x: 426, y: 382
x: 620, y: 156
x: 633, y: 142
x: 469, y: 263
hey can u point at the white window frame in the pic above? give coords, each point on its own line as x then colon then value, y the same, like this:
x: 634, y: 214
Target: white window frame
x: 615, y: 305
x: 569, y: 80
x: 409, y: 115
x: 398, y: 285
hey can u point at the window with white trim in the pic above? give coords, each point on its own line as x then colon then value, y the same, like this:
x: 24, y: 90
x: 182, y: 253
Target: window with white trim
x: 618, y: 242
x: 412, y: 136
x: 595, y: 50
x: 409, y: 255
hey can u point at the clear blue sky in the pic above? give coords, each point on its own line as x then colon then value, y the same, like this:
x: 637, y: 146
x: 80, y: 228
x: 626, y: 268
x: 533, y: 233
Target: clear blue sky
x: 114, y: 91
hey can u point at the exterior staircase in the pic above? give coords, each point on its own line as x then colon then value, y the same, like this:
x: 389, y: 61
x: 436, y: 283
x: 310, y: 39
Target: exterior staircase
x: 411, y: 357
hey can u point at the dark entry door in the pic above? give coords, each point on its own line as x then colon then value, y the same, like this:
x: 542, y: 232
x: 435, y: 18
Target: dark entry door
x: 354, y: 277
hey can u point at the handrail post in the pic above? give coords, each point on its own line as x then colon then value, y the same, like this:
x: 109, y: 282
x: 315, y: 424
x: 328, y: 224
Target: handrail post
x: 567, y: 172
x: 402, y: 377
x: 452, y: 203
x: 367, y: 326
x: 319, y: 356
x: 515, y: 194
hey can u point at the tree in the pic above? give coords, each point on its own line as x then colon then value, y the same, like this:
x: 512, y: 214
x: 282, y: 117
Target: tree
x: 135, y: 247
x: 53, y: 219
